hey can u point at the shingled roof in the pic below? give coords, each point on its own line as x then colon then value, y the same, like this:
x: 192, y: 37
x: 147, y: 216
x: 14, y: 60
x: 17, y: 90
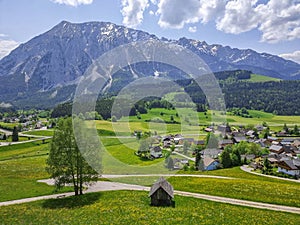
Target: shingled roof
x: 165, y: 185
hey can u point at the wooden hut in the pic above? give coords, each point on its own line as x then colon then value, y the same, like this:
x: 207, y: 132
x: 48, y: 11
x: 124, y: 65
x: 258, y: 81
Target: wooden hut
x: 162, y: 193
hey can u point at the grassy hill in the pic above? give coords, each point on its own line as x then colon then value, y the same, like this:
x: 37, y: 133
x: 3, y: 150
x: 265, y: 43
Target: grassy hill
x: 261, y: 78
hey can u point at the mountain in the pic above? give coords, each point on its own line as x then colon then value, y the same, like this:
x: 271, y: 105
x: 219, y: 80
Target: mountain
x: 45, y: 69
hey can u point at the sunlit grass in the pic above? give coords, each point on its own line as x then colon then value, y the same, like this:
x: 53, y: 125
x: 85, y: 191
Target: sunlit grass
x: 133, y: 207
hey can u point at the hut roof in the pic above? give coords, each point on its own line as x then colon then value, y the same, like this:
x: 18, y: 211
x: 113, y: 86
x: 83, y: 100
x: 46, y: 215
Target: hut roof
x: 165, y: 185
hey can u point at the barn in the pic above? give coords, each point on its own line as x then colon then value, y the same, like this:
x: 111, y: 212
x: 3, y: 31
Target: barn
x: 162, y: 193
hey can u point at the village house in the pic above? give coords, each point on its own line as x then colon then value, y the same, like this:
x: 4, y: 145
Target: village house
x: 224, y: 128
x: 156, y: 152
x: 238, y: 139
x: 278, y: 149
x: 210, y: 164
x: 211, y: 153
x: 291, y: 167
x: 223, y: 143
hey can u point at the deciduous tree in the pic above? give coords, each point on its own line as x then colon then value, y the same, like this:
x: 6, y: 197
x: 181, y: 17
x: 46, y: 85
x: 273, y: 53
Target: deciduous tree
x: 66, y: 163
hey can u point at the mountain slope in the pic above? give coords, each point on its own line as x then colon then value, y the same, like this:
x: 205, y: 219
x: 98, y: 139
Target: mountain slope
x: 60, y: 56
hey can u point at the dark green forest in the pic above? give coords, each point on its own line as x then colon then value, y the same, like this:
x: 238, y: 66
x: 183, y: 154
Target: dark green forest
x: 277, y: 97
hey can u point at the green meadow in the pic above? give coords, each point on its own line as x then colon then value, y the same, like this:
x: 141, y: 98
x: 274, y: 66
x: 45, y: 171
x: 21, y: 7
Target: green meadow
x: 132, y: 207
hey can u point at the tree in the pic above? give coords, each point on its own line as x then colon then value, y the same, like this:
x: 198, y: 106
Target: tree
x: 172, y: 118
x: 197, y: 159
x: 169, y: 163
x: 296, y: 130
x: 144, y: 150
x: 267, y: 165
x: 225, y: 159
x: 4, y: 137
x: 172, y: 148
x: 66, y: 164
x: 285, y: 128
x: 15, y: 134
x: 186, y: 146
x: 211, y: 141
x: 201, y: 166
x: 113, y: 119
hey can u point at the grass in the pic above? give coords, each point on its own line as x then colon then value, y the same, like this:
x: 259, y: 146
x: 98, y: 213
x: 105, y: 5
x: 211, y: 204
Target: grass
x: 120, y: 158
x: 20, y: 167
x: 8, y: 126
x: 261, y: 78
x: 30, y: 149
x: 245, y: 186
x: 19, y: 177
x: 41, y: 132
x: 132, y: 207
x: 21, y: 138
x: 143, y: 124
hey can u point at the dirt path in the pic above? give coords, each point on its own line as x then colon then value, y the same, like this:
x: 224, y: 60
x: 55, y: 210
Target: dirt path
x: 110, y: 186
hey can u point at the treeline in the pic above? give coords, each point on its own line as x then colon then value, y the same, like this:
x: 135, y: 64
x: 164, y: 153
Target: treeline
x: 277, y: 97
x: 104, y: 107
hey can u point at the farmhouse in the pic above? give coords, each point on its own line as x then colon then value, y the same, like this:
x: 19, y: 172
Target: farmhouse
x: 291, y: 167
x: 238, y: 139
x: 156, y: 152
x: 211, y: 153
x: 162, y: 193
x: 276, y: 149
x: 210, y: 164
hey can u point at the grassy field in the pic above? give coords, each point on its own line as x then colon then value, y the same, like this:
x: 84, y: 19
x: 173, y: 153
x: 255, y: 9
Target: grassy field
x: 9, y: 126
x: 246, y: 186
x: 41, y: 132
x: 261, y: 78
x: 18, y: 178
x: 207, y: 118
x: 132, y: 207
x: 30, y: 149
x: 241, y: 189
x: 20, y: 168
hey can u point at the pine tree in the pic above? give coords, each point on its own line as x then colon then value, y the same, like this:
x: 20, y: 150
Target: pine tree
x: 225, y: 159
x: 15, y: 135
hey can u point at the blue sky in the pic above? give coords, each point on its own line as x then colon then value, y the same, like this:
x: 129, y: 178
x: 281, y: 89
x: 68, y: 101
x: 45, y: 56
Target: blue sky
x: 271, y: 26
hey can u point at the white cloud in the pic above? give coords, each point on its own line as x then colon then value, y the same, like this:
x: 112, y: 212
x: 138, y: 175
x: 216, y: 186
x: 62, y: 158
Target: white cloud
x: 294, y: 56
x: 6, y: 46
x: 193, y: 29
x: 280, y: 20
x: 211, y: 10
x: 177, y: 13
x: 132, y: 11
x: 3, y: 35
x: 239, y: 16
x: 276, y: 20
x: 73, y: 2
x: 151, y: 12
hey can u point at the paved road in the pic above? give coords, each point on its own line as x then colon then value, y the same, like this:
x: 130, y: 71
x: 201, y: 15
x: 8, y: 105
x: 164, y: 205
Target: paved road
x: 249, y: 170
x: 7, y: 132
x: 39, y: 138
x: 109, y: 186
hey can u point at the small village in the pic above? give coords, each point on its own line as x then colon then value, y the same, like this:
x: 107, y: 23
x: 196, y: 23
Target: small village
x: 274, y: 153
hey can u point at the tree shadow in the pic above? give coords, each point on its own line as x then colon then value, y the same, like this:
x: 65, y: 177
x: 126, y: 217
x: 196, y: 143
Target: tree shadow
x: 72, y: 201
